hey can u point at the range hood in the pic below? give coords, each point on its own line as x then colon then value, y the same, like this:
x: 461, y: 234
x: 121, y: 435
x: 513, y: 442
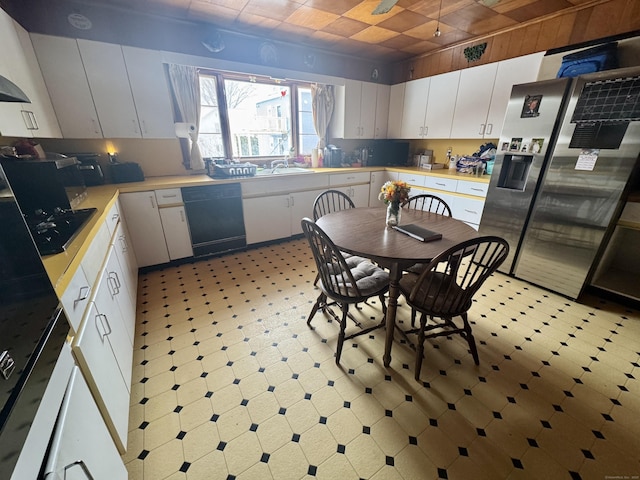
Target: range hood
x: 10, y: 92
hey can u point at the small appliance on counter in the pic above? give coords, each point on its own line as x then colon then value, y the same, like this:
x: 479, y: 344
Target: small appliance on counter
x: 126, y: 172
x: 332, y: 156
x: 89, y: 168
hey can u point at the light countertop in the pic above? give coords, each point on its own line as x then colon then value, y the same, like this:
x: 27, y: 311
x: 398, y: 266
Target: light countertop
x: 62, y: 266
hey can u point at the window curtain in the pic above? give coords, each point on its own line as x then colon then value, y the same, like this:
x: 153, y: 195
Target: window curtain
x: 185, y: 86
x: 322, y: 102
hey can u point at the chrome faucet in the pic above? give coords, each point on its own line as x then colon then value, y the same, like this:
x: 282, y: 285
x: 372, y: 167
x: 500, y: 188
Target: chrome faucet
x: 275, y: 164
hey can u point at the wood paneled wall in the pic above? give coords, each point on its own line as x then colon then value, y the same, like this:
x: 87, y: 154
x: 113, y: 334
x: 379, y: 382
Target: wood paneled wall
x: 604, y: 19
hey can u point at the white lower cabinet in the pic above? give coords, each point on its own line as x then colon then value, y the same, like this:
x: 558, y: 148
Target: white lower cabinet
x: 104, y: 351
x: 277, y: 216
x: 266, y: 218
x: 176, y: 232
x: 82, y: 447
x: 147, y: 235
x: 353, y: 184
x: 359, y: 194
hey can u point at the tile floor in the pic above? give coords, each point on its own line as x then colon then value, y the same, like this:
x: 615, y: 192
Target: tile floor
x: 230, y: 383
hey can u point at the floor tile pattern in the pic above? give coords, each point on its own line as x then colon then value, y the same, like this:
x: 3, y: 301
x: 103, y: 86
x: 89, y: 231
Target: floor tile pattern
x: 230, y: 383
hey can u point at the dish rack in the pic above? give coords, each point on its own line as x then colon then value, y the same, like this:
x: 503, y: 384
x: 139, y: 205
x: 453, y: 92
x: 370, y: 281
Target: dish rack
x: 231, y: 170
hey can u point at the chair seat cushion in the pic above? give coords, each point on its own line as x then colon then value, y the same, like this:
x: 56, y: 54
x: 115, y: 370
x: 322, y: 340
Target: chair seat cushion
x: 438, y: 295
x: 370, y: 280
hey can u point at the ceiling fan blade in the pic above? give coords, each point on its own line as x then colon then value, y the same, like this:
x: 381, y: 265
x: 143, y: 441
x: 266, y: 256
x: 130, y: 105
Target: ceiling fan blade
x: 384, y: 7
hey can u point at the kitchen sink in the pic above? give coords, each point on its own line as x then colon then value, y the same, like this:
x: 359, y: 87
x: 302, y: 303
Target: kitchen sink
x: 263, y: 172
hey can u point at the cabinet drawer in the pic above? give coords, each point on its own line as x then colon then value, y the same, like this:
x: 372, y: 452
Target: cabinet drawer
x: 97, y: 251
x: 76, y: 298
x: 113, y: 217
x: 468, y: 210
x: 337, y: 179
x: 169, y: 196
x: 472, y: 188
x: 412, y: 179
x: 440, y: 183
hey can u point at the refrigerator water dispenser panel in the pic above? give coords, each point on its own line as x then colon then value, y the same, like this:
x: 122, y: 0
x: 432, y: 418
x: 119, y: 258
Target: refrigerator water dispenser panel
x: 515, y: 171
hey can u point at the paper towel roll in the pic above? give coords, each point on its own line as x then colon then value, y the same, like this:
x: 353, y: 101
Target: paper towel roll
x: 314, y: 158
x: 183, y: 129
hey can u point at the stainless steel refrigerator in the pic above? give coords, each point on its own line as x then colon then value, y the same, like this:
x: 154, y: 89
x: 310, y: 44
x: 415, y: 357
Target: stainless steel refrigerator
x: 566, y: 154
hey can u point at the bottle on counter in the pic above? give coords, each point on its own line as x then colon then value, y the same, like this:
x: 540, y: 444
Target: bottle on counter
x: 453, y: 161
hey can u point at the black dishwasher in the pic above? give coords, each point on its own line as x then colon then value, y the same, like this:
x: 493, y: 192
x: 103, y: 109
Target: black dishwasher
x: 214, y: 215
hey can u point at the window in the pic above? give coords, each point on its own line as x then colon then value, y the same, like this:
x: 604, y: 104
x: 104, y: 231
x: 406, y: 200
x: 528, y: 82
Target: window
x: 257, y: 118
x: 210, y: 138
x: 307, y: 138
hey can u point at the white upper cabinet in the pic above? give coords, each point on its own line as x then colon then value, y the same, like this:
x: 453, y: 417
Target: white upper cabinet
x: 107, y: 74
x: 150, y: 90
x: 474, y: 98
x: 396, y: 107
x: 355, y: 111
x: 382, y: 111
x: 443, y: 92
x: 64, y: 75
x: 429, y: 104
x: 105, y: 90
x: 18, y: 63
x: 510, y: 72
x: 416, y: 95
x: 484, y: 93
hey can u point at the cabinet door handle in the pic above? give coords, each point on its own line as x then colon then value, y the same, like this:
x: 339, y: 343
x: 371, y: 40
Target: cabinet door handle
x: 477, y: 189
x: 34, y: 122
x: 114, y: 282
x: 166, y: 195
x: 421, y: 130
x: 83, y: 294
x: 441, y: 184
x: 144, y: 126
x: 96, y: 128
x: 153, y: 203
x: 182, y: 216
x: 293, y: 201
x: 115, y: 217
x: 106, y: 327
x: 470, y: 211
x: 489, y: 128
x: 123, y: 243
x: 482, y: 127
x: 426, y: 130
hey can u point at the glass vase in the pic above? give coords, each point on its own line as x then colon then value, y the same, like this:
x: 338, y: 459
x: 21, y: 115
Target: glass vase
x: 393, y: 214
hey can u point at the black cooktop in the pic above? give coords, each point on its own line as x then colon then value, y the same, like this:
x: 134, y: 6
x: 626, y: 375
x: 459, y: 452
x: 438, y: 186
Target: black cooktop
x: 53, y: 232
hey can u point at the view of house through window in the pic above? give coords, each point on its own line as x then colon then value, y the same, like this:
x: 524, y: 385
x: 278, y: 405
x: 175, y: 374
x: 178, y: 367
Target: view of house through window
x: 260, y: 119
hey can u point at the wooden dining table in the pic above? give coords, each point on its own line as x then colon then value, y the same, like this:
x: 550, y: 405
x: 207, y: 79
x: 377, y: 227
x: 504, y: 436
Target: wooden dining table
x: 362, y: 232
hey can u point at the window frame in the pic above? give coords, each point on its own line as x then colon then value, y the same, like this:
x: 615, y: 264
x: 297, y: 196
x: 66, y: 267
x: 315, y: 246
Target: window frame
x: 225, y: 126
